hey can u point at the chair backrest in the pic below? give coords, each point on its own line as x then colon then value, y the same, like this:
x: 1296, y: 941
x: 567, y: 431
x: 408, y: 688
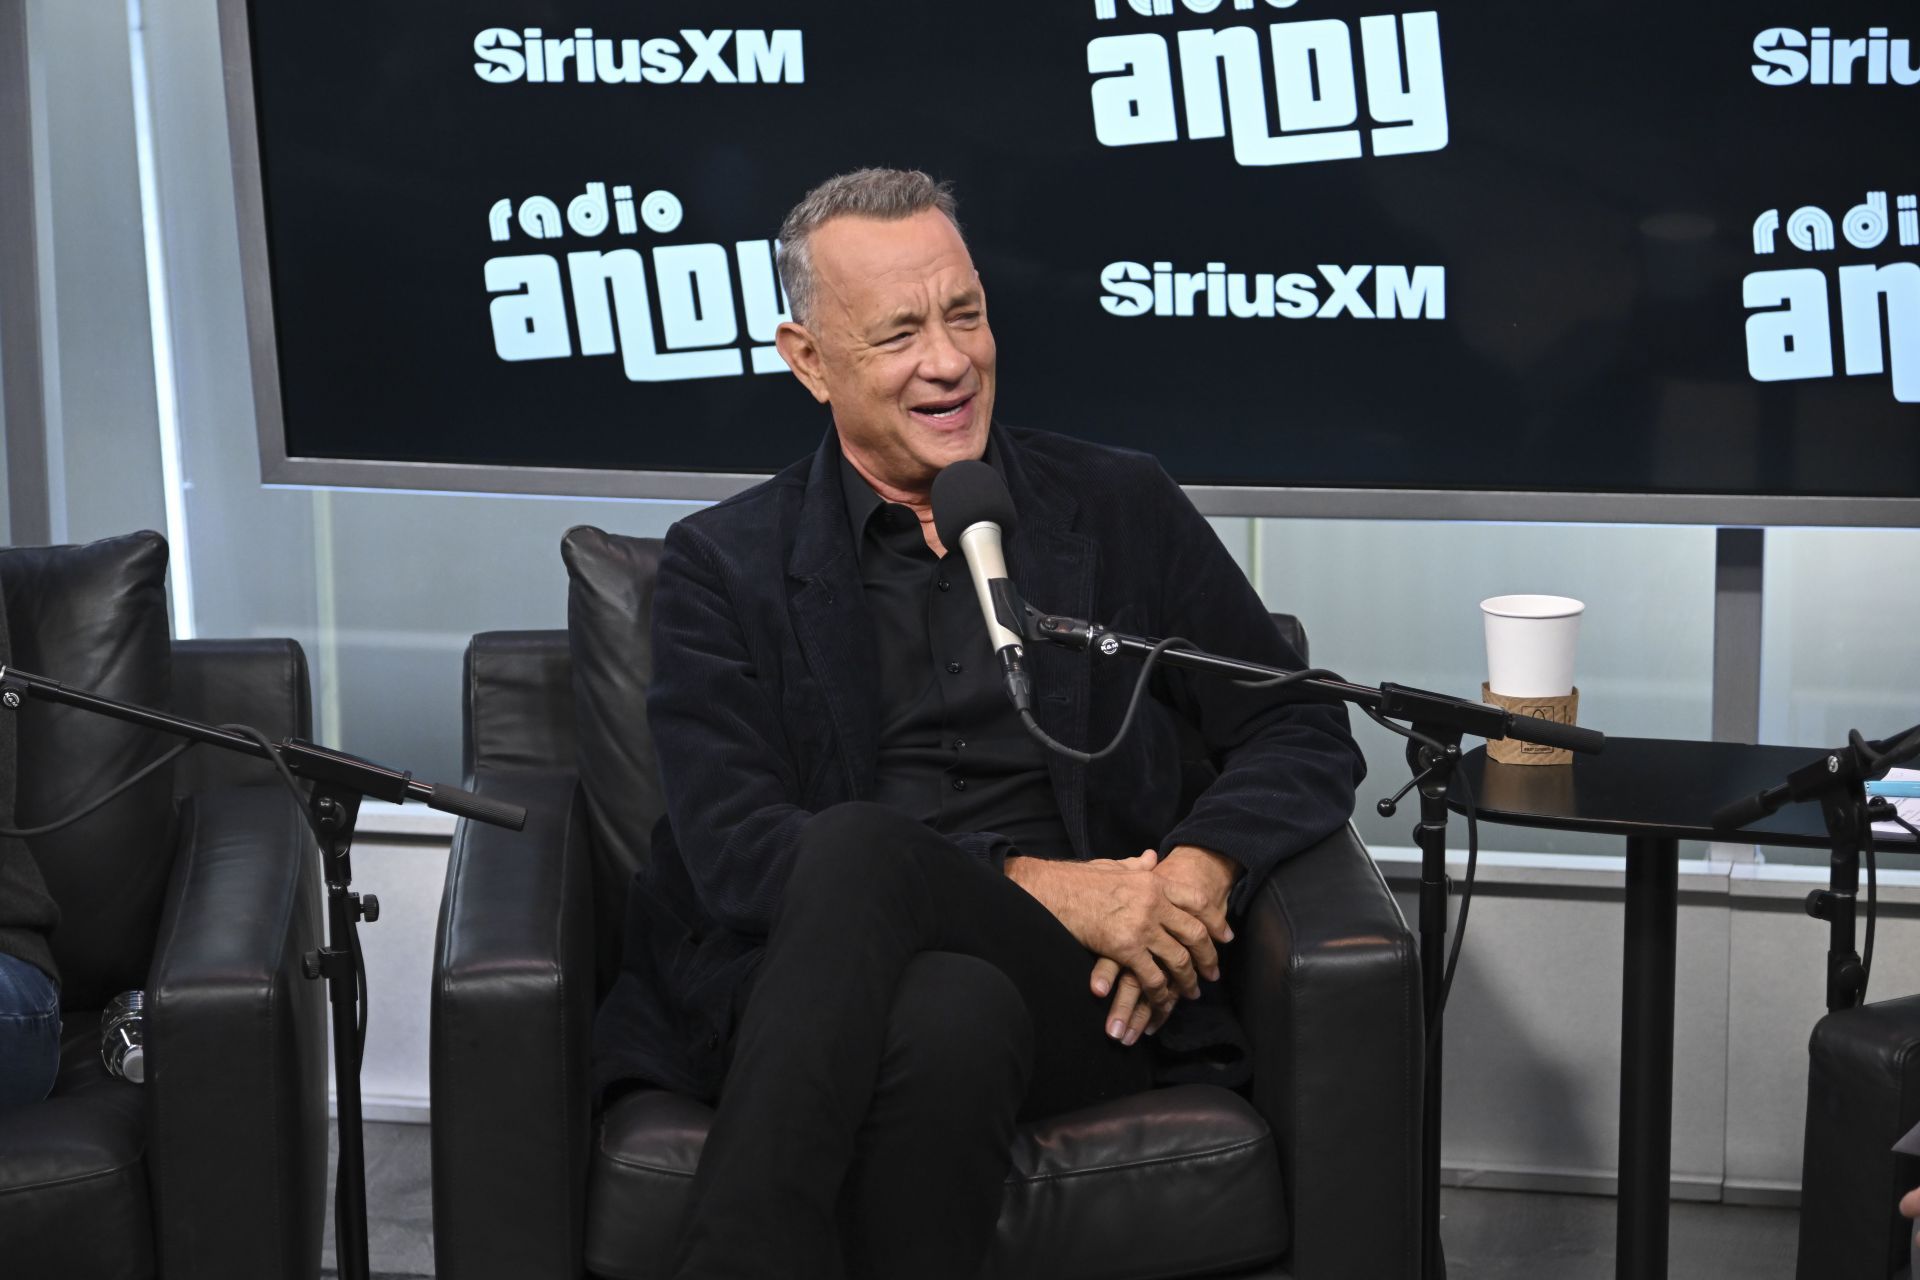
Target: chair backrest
x: 94, y: 617
x: 577, y: 699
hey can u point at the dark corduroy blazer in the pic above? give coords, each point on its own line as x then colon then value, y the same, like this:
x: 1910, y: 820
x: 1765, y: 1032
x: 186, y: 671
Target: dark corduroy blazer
x: 764, y: 711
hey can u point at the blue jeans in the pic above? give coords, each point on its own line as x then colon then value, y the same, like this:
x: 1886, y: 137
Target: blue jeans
x: 29, y: 1033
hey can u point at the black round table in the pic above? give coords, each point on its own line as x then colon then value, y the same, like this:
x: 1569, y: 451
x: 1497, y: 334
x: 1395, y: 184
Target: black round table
x: 1656, y: 792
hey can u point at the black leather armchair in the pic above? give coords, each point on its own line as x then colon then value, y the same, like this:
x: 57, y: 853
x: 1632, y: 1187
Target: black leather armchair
x: 200, y: 886
x: 1313, y: 1175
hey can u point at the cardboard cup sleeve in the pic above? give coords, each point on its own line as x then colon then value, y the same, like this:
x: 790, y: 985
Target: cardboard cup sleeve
x: 1562, y: 710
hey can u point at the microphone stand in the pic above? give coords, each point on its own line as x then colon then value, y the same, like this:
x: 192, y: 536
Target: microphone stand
x: 1838, y: 780
x: 340, y: 782
x: 1436, y: 722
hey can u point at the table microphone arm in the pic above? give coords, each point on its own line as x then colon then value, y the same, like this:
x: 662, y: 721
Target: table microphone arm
x: 1837, y: 771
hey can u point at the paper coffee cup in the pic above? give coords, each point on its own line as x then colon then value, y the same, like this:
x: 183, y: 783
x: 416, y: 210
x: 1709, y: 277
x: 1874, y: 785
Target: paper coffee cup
x: 1530, y: 644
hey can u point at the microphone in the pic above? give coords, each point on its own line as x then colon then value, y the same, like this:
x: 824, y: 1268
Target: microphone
x: 972, y: 512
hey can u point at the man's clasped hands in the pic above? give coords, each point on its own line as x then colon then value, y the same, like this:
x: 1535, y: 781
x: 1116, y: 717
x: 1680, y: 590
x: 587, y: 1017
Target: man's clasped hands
x: 1154, y: 922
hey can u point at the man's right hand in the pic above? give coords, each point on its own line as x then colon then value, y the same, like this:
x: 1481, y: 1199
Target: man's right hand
x: 1118, y: 909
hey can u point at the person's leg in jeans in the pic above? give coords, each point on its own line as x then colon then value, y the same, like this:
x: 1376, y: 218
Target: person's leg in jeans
x: 29, y: 1033
x: 847, y: 1080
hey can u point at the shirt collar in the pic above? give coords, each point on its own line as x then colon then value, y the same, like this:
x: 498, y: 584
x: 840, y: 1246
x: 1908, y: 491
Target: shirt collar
x: 862, y: 501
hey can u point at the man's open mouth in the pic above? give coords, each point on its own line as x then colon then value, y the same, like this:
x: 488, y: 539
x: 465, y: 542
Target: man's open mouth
x: 943, y: 410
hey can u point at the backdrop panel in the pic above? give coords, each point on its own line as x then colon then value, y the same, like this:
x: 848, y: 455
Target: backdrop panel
x: 1582, y: 247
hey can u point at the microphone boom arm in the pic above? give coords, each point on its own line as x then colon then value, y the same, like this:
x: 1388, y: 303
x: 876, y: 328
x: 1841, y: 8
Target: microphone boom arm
x: 340, y: 781
x: 1421, y: 707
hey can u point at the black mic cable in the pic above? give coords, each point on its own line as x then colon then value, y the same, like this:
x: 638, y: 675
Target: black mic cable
x: 161, y: 761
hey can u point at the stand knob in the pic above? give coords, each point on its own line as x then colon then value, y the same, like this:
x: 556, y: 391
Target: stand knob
x: 1822, y: 903
x: 1387, y: 808
x: 369, y: 908
x: 310, y: 964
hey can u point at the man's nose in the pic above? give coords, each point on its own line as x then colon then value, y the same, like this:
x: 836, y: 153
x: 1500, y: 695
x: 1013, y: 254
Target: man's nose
x: 943, y: 360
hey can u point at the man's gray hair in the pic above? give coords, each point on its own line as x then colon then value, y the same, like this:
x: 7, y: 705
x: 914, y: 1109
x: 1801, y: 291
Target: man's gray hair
x: 886, y: 194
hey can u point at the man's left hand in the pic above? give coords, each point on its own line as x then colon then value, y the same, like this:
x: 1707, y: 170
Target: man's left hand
x: 1198, y: 882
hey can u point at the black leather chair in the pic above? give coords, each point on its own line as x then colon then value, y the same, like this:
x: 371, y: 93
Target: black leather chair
x: 1863, y: 1095
x: 199, y: 886
x: 1314, y: 1174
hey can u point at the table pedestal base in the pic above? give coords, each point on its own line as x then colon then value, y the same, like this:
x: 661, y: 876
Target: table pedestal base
x: 1646, y: 1057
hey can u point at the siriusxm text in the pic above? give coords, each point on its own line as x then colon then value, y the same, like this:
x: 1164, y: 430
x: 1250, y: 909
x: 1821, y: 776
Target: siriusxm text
x: 716, y: 57
x: 1365, y: 292
x: 1789, y: 56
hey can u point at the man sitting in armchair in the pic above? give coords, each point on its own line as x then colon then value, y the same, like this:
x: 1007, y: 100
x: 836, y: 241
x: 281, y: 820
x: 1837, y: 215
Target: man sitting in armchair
x: 881, y: 924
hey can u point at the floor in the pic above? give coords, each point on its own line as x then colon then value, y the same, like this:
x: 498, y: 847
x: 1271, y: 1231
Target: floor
x: 1489, y: 1235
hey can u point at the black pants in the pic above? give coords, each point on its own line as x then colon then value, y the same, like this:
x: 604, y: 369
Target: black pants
x: 913, y: 1005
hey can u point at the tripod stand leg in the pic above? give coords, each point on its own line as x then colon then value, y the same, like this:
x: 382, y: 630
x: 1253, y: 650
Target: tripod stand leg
x: 334, y: 813
x: 351, y: 1261
x: 1847, y: 824
x: 1431, y: 835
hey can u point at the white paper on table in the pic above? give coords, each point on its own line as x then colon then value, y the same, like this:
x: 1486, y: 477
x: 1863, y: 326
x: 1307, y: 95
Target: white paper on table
x: 1908, y: 809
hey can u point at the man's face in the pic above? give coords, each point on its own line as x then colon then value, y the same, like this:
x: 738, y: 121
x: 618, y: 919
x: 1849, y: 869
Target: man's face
x: 898, y: 345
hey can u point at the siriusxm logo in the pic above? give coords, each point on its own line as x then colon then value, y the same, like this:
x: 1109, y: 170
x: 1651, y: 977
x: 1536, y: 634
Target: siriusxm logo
x: 612, y: 296
x: 1790, y: 333
x: 1411, y: 293
x: 717, y: 57
x: 1789, y: 56
x: 1316, y: 79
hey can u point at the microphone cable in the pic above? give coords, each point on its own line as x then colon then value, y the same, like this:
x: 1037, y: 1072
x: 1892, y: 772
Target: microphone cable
x: 300, y: 800
x: 164, y: 758
x: 1466, y: 885
x: 320, y: 838
x: 1877, y: 759
x: 1274, y: 682
x: 1139, y: 689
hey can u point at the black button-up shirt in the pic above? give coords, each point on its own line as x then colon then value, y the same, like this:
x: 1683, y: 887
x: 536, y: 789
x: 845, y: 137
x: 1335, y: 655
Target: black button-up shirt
x: 953, y: 753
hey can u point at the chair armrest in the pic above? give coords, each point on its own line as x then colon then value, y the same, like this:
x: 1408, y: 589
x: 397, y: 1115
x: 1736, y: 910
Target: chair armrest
x: 511, y: 1055
x: 237, y: 1044
x: 259, y: 682
x: 1329, y: 992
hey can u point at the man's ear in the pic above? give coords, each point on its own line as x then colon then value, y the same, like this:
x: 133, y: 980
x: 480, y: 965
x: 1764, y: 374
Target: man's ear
x: 802, y: 354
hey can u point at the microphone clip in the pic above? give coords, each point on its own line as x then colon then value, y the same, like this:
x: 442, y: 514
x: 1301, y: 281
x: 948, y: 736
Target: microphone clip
x: 1033, y: 626
x: 1009, y: 610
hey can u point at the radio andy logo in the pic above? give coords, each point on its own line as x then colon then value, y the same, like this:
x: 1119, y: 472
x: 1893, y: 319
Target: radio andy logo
x: 1814, y: 257
x: 1315, y: 67
x: 671, y: 313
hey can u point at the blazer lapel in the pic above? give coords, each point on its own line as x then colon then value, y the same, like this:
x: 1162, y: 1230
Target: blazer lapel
x: 1055, y: 569
x: 829, y: 609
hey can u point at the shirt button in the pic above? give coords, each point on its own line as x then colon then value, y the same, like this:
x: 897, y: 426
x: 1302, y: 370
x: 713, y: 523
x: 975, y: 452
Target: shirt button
x: 959, y: 784
x: 944, y: 585
x: 959, y: 744
x: 953, y: 668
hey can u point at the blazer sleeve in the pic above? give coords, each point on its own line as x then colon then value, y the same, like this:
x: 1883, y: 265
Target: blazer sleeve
x: 1287, y: 771
x: 734, y: 795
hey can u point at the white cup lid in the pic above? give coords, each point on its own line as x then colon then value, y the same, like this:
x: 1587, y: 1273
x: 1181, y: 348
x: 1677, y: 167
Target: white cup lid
x: 1532, y: 606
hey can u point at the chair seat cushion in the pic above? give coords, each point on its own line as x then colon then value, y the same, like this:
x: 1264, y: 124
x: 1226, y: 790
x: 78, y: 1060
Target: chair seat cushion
x: 1176, y: 1182
x: 73, y: 1178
